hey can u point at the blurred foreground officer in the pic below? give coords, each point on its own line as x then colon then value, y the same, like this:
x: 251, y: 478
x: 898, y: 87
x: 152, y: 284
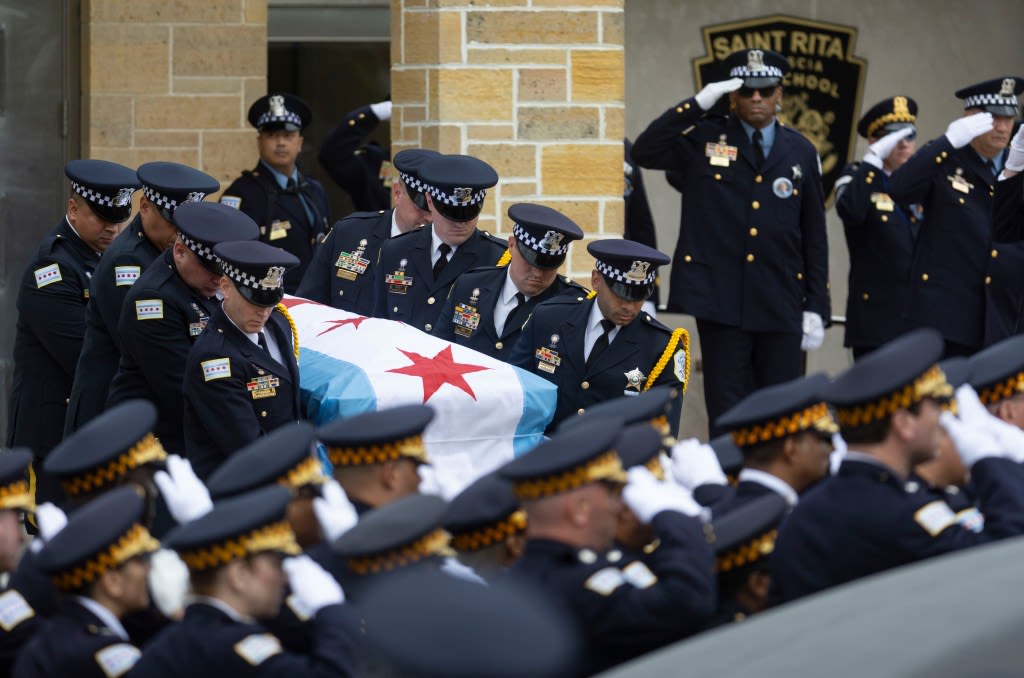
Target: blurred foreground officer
x: 236, y: 555
x: 416, y: 270
x: 751, y: 263
x: 51, y: 305
x: 16, y: 501
x: 743, y: 541
x: 487, y: 526
x: 569, y: 487
x: 432, y: 625
x: 167, y: 309
x: 952, y: 177
x: 785, y: 434
x: 879, y: 232
x: 487, y: 307
x: 360, y: 169
x: 100, y: 562
x: 290, y: 209
x: 602, y: 347
x: 241, y: 376
x: 997, y: 374
x: 342, y: 271
x: 165, y: 186
x: 1007, y: 294
x: 863, y: 520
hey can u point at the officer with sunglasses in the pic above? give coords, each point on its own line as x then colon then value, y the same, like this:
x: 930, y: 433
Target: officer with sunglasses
x: 751, y: 262
x: 341, y: 272
x: 880, y: 232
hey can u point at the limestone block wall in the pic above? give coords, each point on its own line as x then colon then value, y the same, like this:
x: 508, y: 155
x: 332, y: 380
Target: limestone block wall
x: 534, y: 87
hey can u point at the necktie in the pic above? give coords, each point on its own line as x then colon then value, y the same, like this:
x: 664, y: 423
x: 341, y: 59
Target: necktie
x: 758, y: 148
x: 290, y: 188
x: 991, y: 167
x: 442, y: 260
x: 262, y: 338
x: 602, y: 342
x: 512, y: 320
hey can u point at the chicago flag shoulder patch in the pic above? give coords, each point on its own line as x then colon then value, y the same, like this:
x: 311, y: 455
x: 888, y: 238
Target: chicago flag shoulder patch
x: 47, y: 275
x: 218, y: 368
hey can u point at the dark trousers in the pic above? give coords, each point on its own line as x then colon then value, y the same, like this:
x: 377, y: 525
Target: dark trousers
x: 737, y: 363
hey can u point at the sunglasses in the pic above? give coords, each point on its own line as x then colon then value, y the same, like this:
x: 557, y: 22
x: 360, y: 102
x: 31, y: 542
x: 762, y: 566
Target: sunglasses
x: 765, y: 92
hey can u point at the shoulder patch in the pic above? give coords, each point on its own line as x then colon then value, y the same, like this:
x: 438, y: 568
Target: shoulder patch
x: 639, y: 575
x: 231, y: 201
x: 934, y: 517
x: 605, y: 581
x: 679, y: 365
x: 125, y: 276
x: 47, y: 275
x: 117, y: 660
x: 14, y: 609
x: 258, y: 648
x: 218, y: 368
x: 149, y: 309
x: 301, y: 611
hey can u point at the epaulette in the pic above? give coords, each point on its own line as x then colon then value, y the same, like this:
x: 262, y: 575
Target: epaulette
x: 495, y: 239
x: 481, y: 270
x: 572, y: 283
x: 363, y: 215
x: 405, y: 235
x: 654, y: 322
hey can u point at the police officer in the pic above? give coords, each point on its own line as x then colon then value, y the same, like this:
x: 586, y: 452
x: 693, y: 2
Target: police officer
x: 290, y: 209
x: 237, y: 559
x: 342, y: 270
x: 600, y: 347
x: 879, y: 232
x: 487, y: 526
x: 360, y: 169
x: 165, y: 186
x: 751, y: 262
x: 416, y: 270
x: 51, y: 305
x: 863, y: 520
x: 1008, y: 231
x: 569, y: 487
x: 785, y: 434
x: 167, y: 309
x: 487, y: 307
x: 16, y: 500
x: 997, y: 374
x: 241, y: 377
x: 953, y: 178
x: 100, y: 562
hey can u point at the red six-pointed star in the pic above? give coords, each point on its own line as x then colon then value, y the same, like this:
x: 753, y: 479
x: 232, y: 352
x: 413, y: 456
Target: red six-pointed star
x: 438, y: 371
x: 336, y: 324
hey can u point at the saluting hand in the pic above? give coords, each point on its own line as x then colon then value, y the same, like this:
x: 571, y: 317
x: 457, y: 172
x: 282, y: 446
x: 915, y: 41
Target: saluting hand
x: 880, y: 150
x: 713, y: 91
x: 962, y: 130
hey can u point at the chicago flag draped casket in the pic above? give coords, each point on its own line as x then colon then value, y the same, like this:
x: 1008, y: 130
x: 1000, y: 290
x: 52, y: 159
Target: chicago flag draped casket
x: 487, y: 411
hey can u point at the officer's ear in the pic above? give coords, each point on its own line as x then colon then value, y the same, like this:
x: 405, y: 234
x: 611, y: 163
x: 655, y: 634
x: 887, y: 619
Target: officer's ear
x: 595, y: 280
x: 1004, y: 411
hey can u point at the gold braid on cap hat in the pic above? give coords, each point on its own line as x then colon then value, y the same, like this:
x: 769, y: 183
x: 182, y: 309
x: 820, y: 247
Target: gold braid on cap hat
x: 135, y: 542
x: 17, y: 495
x: 273, y: 537
x: 900, y: 113
x: 309, y: 471
x: 481, y: 537
x: 363, y: 455
x: 146, y: 450
x: 1002, y: 390
x: 931, y: 384
x: 816, y: 417
x: 433, y: 543
x: 605, y: 466
x: 750, y: 552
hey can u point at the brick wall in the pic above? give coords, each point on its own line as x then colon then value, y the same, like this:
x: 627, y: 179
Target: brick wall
x: 534, y: 87
x: 173, y: 80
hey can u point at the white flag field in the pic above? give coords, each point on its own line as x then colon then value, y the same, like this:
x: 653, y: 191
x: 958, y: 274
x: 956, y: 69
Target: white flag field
x: 486, y: 411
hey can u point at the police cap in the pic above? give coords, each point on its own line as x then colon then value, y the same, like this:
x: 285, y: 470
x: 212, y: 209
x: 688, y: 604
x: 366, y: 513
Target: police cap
x: 377, y: 437
x: 780, y: 411
x: 408, y: 163
x: 542, y: 234
x: 747, y: 534
x: 997, y: 373
x: 997, y: 96
x: 887, y: 116
x: 758, y: 67
x: 628, y: 267
x: 285, y: 457
x: 202, y: 225
x: 457, y: 184
x: 256, y: 268
x: 106, y: 186
x: 483, y: 514
x: 15, y: 492
x: 273, y: 112
x: 168, y: 184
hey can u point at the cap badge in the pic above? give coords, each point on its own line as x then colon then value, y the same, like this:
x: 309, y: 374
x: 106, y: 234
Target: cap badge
x: 195, y: 196
x: 638, y: 271
x: 124, y: 196
x: 1006, y: 90
x: 463, y: 195
x: 552, y: 241
x: 755, y: 60
x: 277, y: 106
x: 899, y: 106
x: 273, y: 278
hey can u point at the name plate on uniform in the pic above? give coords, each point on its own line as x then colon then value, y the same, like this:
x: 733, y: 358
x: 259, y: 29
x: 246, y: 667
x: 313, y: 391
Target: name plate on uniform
x: 279, y: 229
x: 882, y: 201
x: 547, y: 359
x: 959, y: 183
x: 263, y: 387
x: 350, y: 265
x: 720, y: 154
x: 466, y: 320
x: 398, y: 282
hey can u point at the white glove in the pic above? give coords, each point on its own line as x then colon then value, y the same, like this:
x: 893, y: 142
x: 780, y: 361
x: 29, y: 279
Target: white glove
x: 962, y: 130
x: 1015, y: 160
x: 814, y: 332
x: 646, y: 496
x: 457, y: 569
x: 973, y: 442
x: 835, y: 458
x: 443, y: 485
x: 334, y: 511
x: 314, y: 588
x: 695, y: 463
x: 186, y: 496
x: 168, y: 582
x: 713, y: 91
x: 50, y: 520
x: 382, y: 110
x: 1009, y: 437
x: 880, y: 150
